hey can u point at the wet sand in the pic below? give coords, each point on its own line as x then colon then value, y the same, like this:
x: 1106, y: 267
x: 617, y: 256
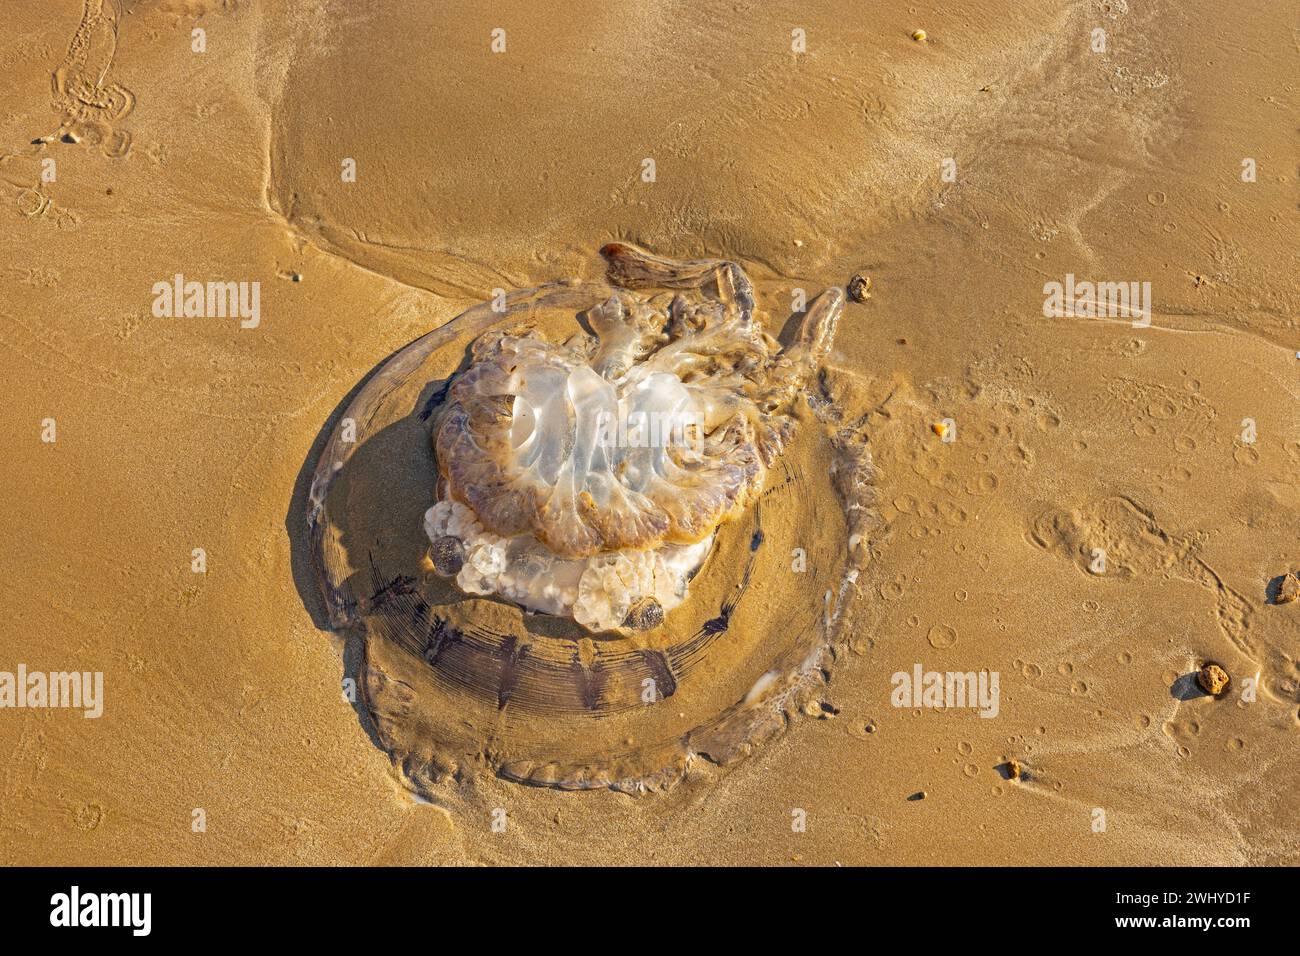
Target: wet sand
x: 478, y: 170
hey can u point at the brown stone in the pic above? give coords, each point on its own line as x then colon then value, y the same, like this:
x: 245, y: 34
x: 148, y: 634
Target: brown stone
x: 1212, y: 678
x: 860, y: 288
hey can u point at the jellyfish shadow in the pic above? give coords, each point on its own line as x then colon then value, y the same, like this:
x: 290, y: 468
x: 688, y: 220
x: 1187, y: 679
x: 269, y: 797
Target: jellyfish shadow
x: 382, y: 453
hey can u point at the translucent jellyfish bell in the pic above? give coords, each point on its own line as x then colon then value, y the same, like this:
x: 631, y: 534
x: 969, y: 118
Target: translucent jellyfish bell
x: 545, y: 523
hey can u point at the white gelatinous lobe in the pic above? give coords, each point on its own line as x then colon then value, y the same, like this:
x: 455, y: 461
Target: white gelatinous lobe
x: 586, y: 441
x: 581, y: 478
x: 597, y: 591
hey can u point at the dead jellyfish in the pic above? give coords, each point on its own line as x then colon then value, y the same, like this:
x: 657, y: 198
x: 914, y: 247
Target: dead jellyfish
x: 586, y: 476
x: 597, y: 535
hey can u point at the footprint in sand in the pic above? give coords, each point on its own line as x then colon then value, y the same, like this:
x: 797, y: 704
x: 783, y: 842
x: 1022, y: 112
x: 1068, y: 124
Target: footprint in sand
x: 1136, y: 546
x: 90, y: 103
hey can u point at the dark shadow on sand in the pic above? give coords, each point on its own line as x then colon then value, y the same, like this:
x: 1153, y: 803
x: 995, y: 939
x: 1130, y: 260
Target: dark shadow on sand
x: 301, y: 559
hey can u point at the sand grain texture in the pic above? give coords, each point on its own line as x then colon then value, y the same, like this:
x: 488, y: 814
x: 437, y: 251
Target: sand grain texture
x: 477, y: 171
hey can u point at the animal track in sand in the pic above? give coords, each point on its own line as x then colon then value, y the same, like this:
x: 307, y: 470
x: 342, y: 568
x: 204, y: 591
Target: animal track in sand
x: 1148, y: 408
x: 193, y: 9
x: 942, y: 636
x: 1244, y: 454
x: 89, y: 103
x: 1136, y: 546
x: 35, y: 205
x: 88, y: 816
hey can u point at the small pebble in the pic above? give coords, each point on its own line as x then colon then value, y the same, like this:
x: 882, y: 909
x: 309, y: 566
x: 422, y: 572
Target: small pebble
x: 1289, y: 590
x: 919, y: 795
x: 820, y: 709
x: 1212, y: 678
x: 918, y: 36
x: 939, y: 428
x: 860, y: 288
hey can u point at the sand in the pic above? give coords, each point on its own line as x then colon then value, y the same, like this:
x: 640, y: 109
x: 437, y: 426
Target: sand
x: 1173, y: 448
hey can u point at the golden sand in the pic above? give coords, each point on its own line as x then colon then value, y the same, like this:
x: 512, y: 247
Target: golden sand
x: 810, y: 142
